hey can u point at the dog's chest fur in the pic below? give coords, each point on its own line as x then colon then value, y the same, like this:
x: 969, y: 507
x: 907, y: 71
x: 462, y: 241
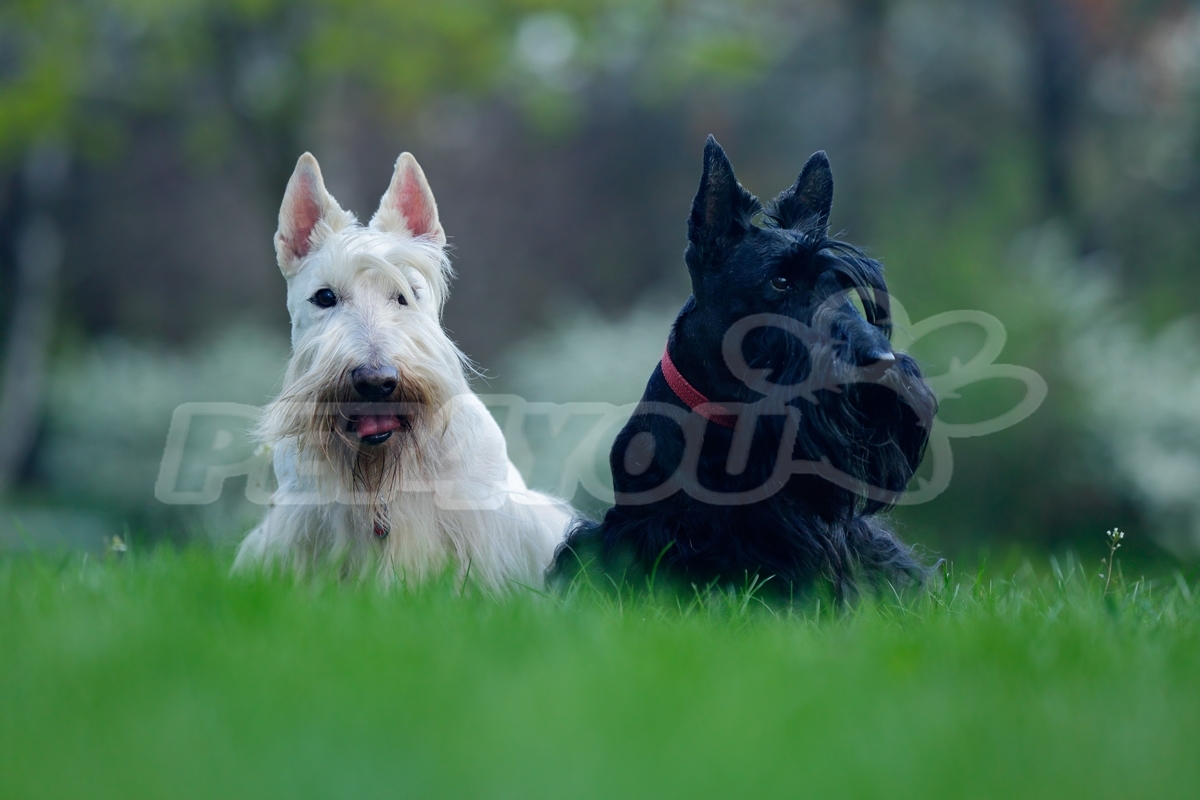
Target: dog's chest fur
x: 456, y: 501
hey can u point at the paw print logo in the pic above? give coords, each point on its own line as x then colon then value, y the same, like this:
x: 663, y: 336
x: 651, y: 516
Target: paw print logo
x: 980, y: 367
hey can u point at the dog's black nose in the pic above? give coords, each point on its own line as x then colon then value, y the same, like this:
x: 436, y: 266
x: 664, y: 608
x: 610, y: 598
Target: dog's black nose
x: 375, y: 382
x: 876, y: 361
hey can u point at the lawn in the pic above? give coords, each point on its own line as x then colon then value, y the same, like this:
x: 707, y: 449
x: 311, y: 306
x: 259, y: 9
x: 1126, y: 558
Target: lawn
x: 157, y: 675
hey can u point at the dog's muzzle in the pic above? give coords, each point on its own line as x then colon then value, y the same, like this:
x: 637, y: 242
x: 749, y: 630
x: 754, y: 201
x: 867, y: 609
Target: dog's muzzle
x: 374, y: 383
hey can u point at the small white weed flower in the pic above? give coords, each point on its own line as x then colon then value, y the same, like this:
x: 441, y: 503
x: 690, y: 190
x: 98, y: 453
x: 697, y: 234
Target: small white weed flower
x: 1114, y: 541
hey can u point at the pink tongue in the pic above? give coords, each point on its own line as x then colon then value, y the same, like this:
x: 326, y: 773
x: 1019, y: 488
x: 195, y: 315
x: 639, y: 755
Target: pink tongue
x: 369, y: 426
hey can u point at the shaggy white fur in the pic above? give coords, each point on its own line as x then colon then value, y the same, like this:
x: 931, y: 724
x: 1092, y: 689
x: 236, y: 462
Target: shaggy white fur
x: 440, y: 493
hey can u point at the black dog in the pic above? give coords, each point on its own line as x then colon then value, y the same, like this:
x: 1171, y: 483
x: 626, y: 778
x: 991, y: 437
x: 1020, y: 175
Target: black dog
x: 779, y: 421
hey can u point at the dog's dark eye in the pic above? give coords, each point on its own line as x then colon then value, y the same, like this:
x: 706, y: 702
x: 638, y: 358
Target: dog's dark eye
x: 780, y: 283
x: 401, y: 299
x: 324, y: 298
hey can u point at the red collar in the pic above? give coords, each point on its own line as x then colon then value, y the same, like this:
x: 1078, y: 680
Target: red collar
x: 692, y: 397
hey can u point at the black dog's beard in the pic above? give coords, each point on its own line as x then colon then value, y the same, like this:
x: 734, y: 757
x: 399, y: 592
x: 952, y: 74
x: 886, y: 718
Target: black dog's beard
x: 857, y: 424
x: 822, y: 392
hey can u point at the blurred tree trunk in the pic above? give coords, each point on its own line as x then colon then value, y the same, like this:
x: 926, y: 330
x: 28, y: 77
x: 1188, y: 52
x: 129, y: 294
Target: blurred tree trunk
x: 273, y: 125
x: 36, y: 251
x: 1056, y: 82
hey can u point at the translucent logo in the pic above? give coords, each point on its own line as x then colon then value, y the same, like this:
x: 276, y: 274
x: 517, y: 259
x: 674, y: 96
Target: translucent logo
x: 563, y: 447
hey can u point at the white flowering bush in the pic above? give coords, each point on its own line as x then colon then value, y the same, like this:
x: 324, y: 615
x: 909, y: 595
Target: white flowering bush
x: 1141, y: 392
x: 585, y: 357
x: 109, y: 409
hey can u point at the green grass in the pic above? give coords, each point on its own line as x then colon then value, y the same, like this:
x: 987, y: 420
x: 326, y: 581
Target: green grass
x: 159, y: 676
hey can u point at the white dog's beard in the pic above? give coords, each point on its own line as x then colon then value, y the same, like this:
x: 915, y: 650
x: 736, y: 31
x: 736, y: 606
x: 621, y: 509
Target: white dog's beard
x: 366, y: 445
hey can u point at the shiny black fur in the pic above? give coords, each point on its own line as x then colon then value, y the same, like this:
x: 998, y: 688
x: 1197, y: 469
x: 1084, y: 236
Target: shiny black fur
x: 861, y: 431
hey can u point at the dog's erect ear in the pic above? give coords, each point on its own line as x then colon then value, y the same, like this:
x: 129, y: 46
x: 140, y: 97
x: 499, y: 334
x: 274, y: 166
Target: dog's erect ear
x: 722, y: 209
x: 307, y: 214
x: 806, y: 204
x: 408, y: 206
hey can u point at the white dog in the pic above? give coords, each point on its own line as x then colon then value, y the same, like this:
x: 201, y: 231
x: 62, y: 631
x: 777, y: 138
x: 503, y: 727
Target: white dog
x: 387, y: 463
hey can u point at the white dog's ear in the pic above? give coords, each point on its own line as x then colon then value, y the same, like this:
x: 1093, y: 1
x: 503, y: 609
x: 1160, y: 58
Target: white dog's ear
x: 408, y: 206
x: 308, y: 214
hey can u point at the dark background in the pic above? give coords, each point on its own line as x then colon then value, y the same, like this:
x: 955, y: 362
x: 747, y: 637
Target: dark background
x: 1034, y: 160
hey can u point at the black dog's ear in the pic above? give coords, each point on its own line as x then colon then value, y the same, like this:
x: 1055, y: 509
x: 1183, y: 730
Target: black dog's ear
x: 806, y: 204
x: 722, y: 208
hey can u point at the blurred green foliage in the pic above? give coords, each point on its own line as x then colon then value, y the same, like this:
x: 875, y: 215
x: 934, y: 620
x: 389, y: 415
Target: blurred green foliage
x: 79, y: 71
x: 959, y: 132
